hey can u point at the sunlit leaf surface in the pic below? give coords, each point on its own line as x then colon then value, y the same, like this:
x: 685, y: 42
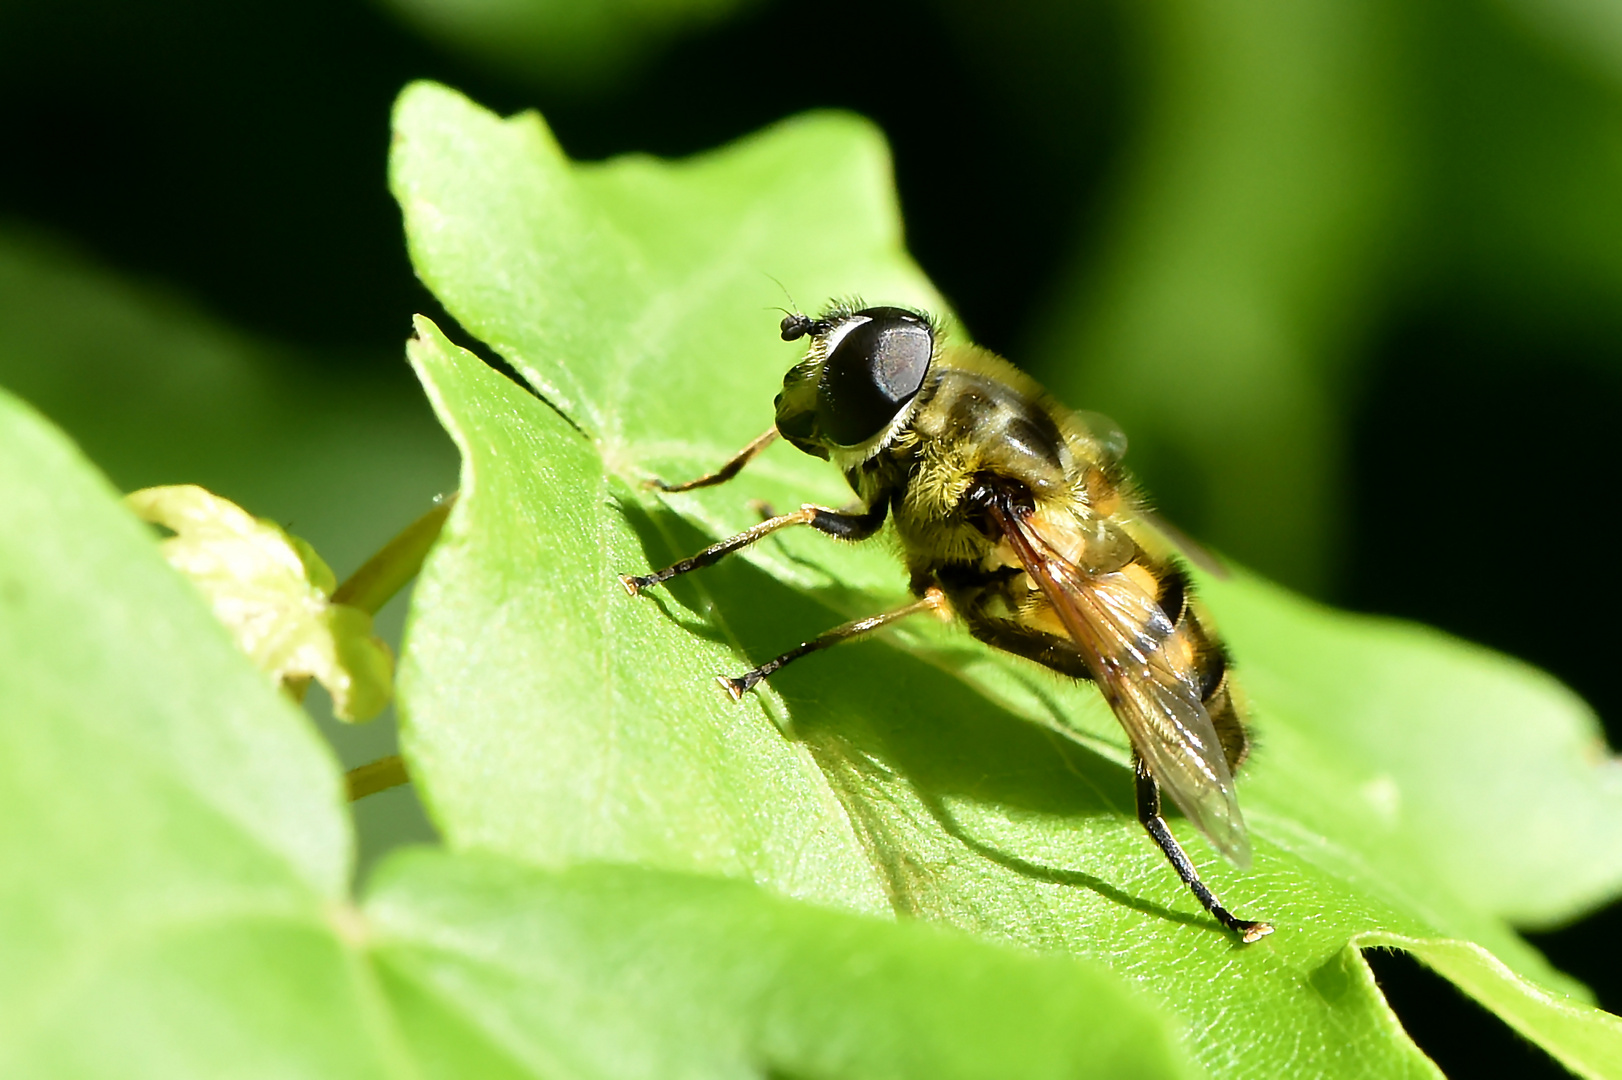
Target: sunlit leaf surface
x: 157, y: 391
x: 1408, y: 789
x: 271, y: 590
x: 174, y: 867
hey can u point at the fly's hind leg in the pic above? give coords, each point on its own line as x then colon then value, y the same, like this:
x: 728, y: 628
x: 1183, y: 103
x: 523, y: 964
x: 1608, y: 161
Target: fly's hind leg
x: 1149, y: 815
x: 933, y: 600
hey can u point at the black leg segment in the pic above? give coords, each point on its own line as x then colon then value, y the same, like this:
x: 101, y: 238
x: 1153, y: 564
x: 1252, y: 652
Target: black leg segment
x: 1149, y: 814
x: 1049, y: 650
x: 849, y: 525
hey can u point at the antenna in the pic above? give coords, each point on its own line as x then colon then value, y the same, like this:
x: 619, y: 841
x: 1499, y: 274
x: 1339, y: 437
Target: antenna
x: 792, y: 303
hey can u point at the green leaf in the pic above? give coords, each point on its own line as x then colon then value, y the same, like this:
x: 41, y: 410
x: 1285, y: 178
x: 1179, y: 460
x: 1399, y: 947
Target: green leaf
x: 172, y: 833
x: 156, y: 391
x: 272, y: 590
x: 174, y: 860
x: 1432, y: 761
x: 550, y: 717
x: 619, y: 972
x: 1582, y: 1039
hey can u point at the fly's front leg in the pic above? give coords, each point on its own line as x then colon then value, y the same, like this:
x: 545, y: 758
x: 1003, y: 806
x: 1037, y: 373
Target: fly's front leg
x: 727, y: 471
x: 934, y: 600
x: 1149, y: 814
x: 838, y: 523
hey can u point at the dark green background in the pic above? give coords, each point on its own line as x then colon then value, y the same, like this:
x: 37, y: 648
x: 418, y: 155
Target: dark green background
x: 234, y: 155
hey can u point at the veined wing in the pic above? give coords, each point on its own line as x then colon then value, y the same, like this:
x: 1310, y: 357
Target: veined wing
x: 1120, y: 631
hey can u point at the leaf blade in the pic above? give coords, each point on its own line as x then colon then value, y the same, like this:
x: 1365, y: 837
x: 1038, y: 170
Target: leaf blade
x: 977, y: 791
x: 604, y: 971
x: 273, y: 592
x: 173, y: 832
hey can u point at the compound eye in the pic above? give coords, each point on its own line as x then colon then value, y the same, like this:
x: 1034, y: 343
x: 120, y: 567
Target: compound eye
x: 873, y: 370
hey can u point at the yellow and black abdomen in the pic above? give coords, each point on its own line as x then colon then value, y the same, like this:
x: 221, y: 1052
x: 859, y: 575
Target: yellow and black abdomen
x: 1196, y: 646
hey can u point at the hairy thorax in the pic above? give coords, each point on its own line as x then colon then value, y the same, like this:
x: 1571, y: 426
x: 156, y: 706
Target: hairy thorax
x: 979, y: 418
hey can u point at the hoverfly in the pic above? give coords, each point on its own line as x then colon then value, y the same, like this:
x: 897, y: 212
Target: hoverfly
x: 1015, y: 515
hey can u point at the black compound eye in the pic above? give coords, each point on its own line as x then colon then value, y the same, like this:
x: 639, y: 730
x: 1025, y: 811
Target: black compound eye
x: 874, y: 369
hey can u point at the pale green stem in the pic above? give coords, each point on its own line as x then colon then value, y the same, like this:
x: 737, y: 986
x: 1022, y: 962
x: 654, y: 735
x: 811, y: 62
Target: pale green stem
x: 369, y: 588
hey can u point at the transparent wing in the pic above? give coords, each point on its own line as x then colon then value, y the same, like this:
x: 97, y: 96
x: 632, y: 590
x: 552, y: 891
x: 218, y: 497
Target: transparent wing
x: 1120, y: 631
x: 1105, y: 432
x: 1197, y: 553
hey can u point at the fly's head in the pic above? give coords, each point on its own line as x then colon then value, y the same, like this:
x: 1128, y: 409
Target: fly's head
x: 861, y: 373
